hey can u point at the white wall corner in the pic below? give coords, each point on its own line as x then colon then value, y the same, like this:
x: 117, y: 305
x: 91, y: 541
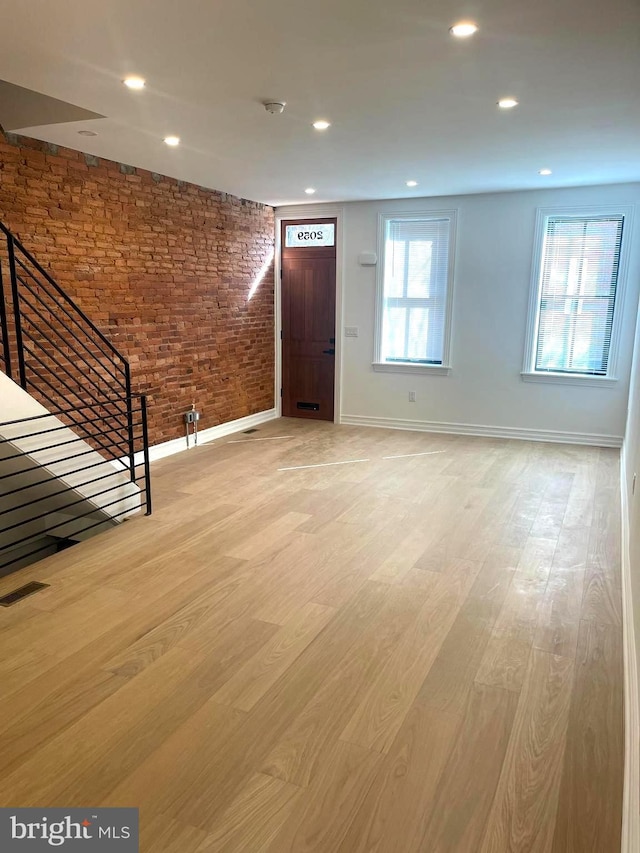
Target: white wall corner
x: 631, y: 794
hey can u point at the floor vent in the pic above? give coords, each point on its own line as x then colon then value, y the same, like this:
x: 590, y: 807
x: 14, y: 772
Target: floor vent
x: 249, y: 431
x: 21, y: 592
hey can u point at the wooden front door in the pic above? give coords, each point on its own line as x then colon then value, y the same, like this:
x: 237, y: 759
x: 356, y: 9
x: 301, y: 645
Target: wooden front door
x: 308, y: 318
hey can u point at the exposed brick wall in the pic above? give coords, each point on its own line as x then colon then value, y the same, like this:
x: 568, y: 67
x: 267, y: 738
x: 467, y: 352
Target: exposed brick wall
x: 163, y: 268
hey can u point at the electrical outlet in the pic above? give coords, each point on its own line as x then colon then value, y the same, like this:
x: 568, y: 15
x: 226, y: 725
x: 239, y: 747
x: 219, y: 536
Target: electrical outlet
x: 412, y: 396
x: 351, y: 331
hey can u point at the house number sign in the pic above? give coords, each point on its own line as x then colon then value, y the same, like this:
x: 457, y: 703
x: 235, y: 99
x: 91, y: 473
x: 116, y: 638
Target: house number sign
x: 322, y: 234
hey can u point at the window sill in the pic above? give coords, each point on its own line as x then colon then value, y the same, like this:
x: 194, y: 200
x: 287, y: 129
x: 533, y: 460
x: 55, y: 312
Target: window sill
x: 407, y: 367
x: 565, y: 379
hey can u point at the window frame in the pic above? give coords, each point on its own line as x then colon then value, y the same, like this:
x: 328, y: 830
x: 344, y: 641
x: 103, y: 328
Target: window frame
x: 406, y: 366
x: 529, y: 372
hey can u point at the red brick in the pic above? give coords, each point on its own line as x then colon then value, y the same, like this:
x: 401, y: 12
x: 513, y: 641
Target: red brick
x: 164, y: 267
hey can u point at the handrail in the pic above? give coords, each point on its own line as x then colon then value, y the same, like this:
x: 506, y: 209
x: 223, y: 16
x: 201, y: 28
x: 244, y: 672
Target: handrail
x: 102, y: 504
x: 59, y: 290
x: 56, y: 494
x: 17, y: 316
x: 55, y: 352
x: 68, y: 373
x: 49, y: 384
x: 57, y: 332
x: 37, y: 483
x: 55, y: 428
x: 4, y: 327
x: 89, y: 527
x: 107, y: 400
x: 107, y: 355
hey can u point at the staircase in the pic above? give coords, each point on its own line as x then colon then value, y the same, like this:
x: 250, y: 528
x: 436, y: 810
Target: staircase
x: 74, y: 457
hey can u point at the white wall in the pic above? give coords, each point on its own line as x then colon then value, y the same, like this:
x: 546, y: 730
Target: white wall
x: 631, y: 603
x: 492, y: 281
x: 631, y: 460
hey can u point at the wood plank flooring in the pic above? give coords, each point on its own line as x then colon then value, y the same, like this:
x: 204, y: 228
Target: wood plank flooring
x: 415, y: 653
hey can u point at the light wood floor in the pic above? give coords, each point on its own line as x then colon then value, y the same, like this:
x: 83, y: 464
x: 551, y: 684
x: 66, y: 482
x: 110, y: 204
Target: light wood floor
x: 404, y: 654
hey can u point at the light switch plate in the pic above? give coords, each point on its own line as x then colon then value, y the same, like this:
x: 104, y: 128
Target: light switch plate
x: 351, y: 331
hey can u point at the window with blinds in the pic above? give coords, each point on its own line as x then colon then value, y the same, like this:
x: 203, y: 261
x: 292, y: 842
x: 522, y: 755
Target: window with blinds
x: 577, y: 294
x: 415, y: 283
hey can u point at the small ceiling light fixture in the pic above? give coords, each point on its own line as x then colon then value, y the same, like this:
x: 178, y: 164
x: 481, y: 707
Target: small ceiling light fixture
x: 134, y: 82
x: 545, y: 172
x: 87, y: 133
x: 310, y: 190
x: 464, y: 29
x: 172, y: 141
x: 412, y: 183
x: 507, y: 103
x: 321, y: 124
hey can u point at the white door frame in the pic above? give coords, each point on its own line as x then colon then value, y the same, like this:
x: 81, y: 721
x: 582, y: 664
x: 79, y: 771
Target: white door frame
x: 310, y: 211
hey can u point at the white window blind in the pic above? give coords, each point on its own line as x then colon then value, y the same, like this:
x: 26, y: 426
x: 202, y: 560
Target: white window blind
x: 414, y: 299
x: 577, y: 294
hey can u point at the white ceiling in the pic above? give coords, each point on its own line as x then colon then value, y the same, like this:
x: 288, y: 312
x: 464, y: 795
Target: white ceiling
x: 405, y: 99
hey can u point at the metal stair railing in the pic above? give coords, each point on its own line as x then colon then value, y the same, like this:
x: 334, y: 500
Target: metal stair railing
x: 51, y: 348
x: 32, y: 502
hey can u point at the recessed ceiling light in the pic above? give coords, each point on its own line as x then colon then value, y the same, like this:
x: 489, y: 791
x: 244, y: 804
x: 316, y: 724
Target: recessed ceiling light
x: 309, y: 190
x: 87, y: 133
x: 134, y: 82
x: 321, y: 124
x: 412, y: 183
x: 463, y: 30
x: 545, y: 172
x: 507, y: 103
x: 172, y: 140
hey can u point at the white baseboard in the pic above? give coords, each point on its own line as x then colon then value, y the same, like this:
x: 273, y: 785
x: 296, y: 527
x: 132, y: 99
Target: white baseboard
x: 630, y: 809
x: 487, y: 431
x: 177, y: 445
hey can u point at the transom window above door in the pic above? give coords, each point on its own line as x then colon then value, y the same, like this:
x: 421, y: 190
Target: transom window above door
x: 319, y: 234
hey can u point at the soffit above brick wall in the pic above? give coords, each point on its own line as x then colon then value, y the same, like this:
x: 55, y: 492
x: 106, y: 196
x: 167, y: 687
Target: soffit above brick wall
x: 20, y: 107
